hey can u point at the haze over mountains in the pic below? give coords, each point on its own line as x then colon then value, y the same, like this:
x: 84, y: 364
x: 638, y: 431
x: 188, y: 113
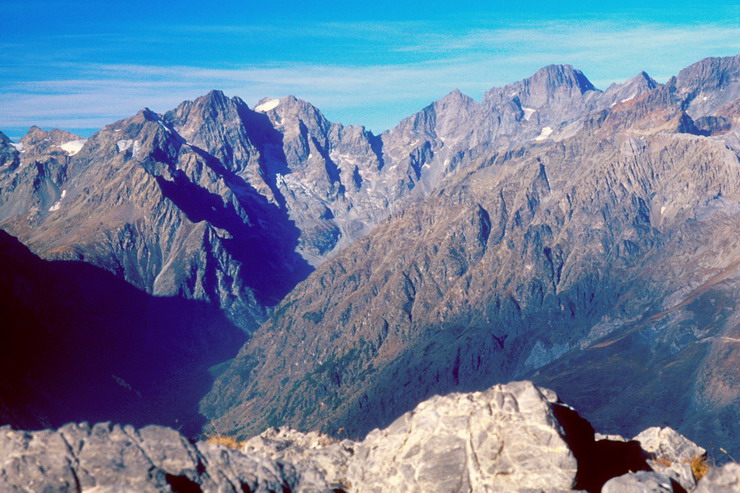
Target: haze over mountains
x: 585, y: 239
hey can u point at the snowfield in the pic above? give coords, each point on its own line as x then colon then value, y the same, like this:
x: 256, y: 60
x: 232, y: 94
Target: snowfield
x: 73, y: 146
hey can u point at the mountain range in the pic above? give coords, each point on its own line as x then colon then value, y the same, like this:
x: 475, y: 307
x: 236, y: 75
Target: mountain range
x: 584, y: 239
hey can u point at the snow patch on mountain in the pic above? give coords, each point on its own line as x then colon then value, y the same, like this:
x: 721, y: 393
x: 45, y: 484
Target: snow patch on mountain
x: 164, y: 127
x: 545, y: 133
x: 124, y: 144
x: 58, y: 204
x: 267, y: 105
x: 18, y: 146
x: 73, y: 146
x: 528, y: 112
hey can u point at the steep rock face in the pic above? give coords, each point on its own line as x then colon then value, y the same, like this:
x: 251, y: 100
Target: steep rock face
x: 616, y: 240
x: 327, y: 175
x: 514, y: 437
x: 8, y: 151
x: 709, y: 84
x: 556, y: 93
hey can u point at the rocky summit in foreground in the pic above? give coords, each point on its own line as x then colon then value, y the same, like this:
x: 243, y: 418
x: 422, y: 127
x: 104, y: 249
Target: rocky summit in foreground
x: 515, y: 438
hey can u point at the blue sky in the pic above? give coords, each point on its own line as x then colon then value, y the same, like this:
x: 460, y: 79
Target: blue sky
x: 80, y: 65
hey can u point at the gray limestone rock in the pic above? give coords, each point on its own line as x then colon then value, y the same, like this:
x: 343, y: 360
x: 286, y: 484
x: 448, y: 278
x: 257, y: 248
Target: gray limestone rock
x: 639, y: 482
x: 503, y: 439
x: 111, y: 458
x: 671, y: 454
x: 322, y: 460
x: 515, y: 438
x: 725, y: 479
x: 667, y: 444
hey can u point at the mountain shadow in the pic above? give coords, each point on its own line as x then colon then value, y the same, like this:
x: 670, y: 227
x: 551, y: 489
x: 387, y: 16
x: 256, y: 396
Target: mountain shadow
x: 262, y: 236
x: 79, y: 344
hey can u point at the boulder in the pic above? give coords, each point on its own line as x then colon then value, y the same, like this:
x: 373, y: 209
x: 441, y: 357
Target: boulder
x: 671, y: 454
x: 321, y: 460
x: 639, y: 482
x: 504, y: 439
x: 725, y: 479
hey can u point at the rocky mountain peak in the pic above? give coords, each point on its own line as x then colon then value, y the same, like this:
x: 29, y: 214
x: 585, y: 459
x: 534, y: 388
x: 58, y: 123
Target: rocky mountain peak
x: 644, y: 79
x: 290, y: 109
x: 553, y: 76
x: 456, y: 97
x: 34, y: 132
x: 55, y: 141
x: 149, y: 115
x: 217, y: 105
x: 713, y: 72
x: 559, y: 93
x: 216, y: 96
x: 641, y: 82
x: 628, y: 90
x: 55, y: 136
x: 9, y: 152
x: 708, y: 85
x: 216, y: 124
x: 213, y: 107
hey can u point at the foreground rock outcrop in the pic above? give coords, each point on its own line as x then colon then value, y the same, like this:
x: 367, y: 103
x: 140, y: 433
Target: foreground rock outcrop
x: 514, y: 437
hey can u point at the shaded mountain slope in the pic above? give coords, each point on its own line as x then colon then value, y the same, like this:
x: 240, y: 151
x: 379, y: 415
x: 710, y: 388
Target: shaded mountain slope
x: 81, y: 344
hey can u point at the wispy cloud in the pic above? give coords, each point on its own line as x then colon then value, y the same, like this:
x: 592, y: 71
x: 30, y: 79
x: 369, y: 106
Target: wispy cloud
x: 431, y: 62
